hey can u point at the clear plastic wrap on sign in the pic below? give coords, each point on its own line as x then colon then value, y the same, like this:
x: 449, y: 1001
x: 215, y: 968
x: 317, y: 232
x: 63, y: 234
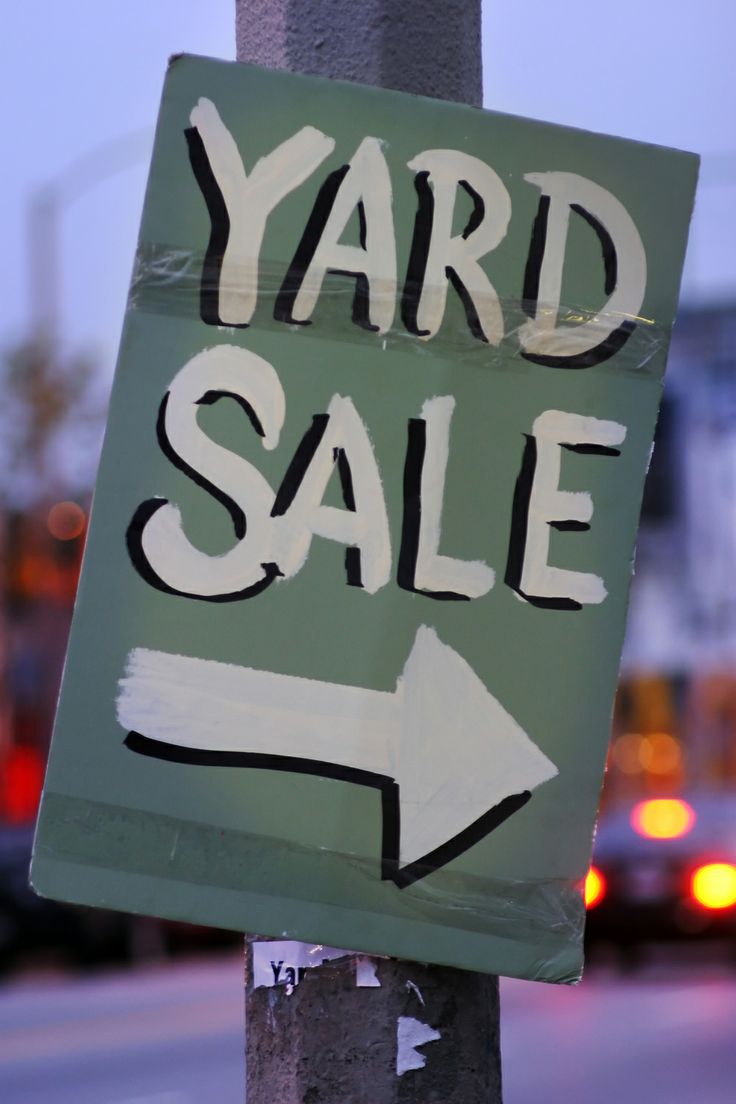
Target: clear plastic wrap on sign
x: 168, y: 280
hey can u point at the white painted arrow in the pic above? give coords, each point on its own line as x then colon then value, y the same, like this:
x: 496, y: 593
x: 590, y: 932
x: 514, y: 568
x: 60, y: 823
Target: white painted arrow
x: 454, y: 751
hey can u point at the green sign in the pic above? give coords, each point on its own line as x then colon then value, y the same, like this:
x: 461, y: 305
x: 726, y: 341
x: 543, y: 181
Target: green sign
x: 347, y: 636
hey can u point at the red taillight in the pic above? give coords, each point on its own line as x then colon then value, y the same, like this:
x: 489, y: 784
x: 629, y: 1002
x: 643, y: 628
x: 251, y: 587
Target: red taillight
x: 663, y: 818
x: 21, y: 780
x: 714, y: 885
x: 595, y: 888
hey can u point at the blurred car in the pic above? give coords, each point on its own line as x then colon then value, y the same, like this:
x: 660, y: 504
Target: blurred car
x: 31, y: 926
x: 664, y: 868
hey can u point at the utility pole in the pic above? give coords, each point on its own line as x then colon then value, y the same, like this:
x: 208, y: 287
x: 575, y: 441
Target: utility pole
x: 329, y: 1039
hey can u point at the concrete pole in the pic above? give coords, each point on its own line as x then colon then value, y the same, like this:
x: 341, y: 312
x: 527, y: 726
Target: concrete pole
x: 430, y: 47
x: 417, y: 1035
x: 328, y: 1040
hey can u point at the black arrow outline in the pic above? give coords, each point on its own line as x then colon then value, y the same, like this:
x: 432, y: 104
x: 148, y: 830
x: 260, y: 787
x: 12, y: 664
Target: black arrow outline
x: 401, y: 876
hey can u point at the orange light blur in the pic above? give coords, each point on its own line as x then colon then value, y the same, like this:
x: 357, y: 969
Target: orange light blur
x: 660, y: 753
x: 714, y: 885
x: 626, y: 753
x: 66, y: 521
x: 663, y: 818
x: 595, y: 887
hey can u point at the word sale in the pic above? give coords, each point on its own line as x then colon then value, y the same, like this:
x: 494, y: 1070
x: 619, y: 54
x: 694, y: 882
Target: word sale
x: 274, y: 529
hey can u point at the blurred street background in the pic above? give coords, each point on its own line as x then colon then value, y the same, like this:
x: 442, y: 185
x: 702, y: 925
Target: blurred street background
x: 98, y: 1008
x: 174, y: 1035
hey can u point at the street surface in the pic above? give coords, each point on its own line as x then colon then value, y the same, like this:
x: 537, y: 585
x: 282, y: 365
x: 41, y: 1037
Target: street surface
x: 165, y: 1035
x: 173, y: 1035
x: 665, y: 1036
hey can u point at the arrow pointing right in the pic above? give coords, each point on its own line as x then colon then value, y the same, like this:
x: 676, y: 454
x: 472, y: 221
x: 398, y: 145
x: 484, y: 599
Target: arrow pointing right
x: 451, y: 763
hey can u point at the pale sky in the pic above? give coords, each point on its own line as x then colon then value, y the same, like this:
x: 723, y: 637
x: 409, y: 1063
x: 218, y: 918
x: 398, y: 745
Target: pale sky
x: 82, y: 74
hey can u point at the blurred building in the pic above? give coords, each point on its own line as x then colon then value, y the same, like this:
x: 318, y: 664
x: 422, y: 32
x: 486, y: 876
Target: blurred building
x: 676, y: 711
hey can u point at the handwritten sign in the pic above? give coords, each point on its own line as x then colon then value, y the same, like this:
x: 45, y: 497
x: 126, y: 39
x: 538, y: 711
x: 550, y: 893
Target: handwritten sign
x: 347, y: 637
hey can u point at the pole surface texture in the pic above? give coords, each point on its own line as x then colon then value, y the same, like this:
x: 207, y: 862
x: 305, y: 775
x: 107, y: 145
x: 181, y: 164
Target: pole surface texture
x: 416, y: 1034
x: 430, y: 47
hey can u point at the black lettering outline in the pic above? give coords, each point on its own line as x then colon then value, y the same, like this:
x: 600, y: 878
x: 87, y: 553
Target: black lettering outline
x: 520, y: 521
x: 304, y: 255
x: 209, y: 294
x: 134, y: 545
x: 298, y: 465
x: 419, y: 255
x: 387, y: 787
x: 294, y: 476
x: 353, y: 566
x: 416, y: 269
x: 416, y: 448
x: 146, y: 510
x: 530, y: 293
